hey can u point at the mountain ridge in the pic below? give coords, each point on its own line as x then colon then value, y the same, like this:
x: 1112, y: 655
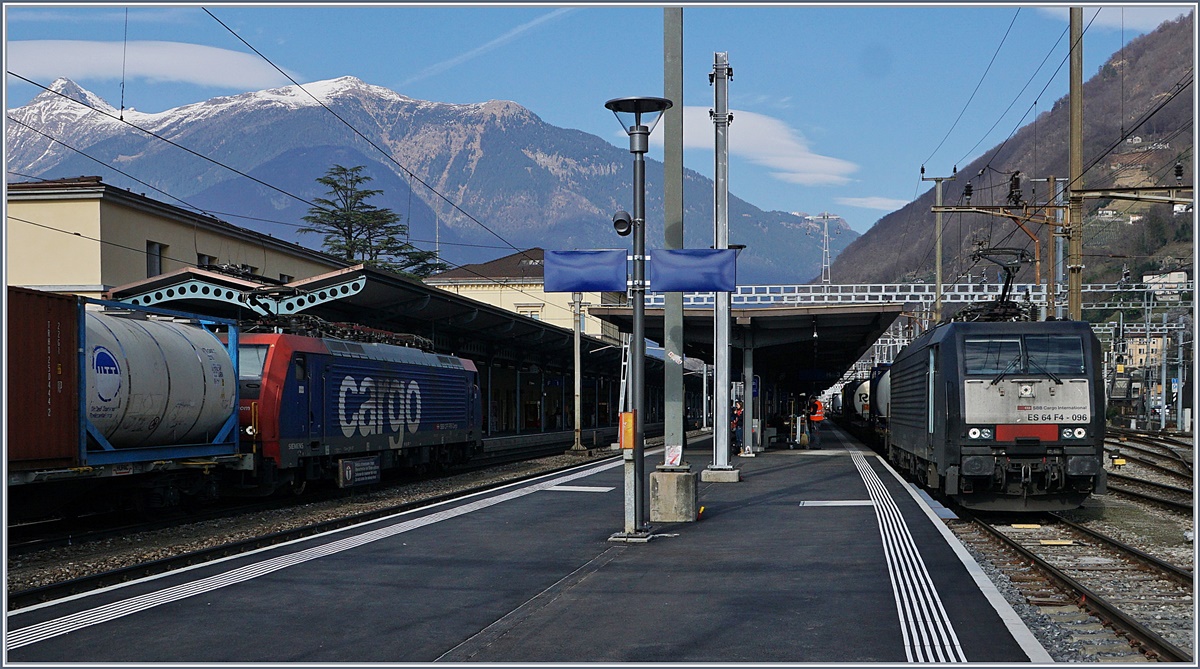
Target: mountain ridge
x: 522, y: 180
x: 899, y: 246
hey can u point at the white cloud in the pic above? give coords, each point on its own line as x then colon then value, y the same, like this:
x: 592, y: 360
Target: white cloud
x: 872, y: 202
x: 1142, y: 18
x: 45, y: 60
x: 765, y: 141
x: 162, y: 16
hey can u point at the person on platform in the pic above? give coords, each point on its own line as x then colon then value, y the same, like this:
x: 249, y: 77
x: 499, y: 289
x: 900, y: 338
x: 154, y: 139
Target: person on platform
x: 737, y: 425
x: 816, y: 416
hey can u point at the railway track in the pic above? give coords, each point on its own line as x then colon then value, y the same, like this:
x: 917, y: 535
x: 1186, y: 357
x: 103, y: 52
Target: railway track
x: 1174, y: 450
x: 1167, y: 468
x: 1167, y: 496
x: 1158, y: 469
x: 1115, y: 602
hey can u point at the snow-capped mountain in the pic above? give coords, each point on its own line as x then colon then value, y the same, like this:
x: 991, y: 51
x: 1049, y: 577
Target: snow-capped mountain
x: 502, y: 168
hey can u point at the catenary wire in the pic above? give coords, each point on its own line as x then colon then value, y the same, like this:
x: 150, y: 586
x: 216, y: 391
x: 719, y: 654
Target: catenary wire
x: 977, y: 85
x: 364, y: 137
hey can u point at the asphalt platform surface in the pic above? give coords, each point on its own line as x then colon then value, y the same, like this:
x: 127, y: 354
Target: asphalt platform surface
x: 815, y: 556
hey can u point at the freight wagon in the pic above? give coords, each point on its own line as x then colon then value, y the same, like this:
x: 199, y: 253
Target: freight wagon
x: 104, y: 395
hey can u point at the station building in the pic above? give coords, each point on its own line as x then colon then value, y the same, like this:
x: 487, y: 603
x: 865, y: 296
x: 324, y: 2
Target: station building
x: 517, y: 282
x: 101, y: 237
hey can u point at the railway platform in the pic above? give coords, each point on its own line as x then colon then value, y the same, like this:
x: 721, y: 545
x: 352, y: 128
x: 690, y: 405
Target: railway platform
x: 815, y: 556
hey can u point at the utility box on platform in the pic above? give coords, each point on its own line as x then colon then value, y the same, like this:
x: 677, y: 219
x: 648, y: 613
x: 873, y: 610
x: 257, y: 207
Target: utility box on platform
x: 673, y: 496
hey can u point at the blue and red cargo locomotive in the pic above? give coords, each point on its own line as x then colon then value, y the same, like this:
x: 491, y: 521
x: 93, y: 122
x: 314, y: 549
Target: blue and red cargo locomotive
x: 141, y: 406
x: 316, y: 408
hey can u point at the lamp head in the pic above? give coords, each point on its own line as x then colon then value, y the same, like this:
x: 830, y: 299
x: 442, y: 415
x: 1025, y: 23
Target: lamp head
x: 652, y: 108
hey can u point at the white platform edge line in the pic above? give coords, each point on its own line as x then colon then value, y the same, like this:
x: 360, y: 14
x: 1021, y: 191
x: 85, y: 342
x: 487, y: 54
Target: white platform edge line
x: 1020, y: 631
x: 581, y: 488
x: 580, y: 471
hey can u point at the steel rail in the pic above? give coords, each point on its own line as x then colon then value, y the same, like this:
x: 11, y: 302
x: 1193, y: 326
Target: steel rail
x: 1180, y: 575
x: 1150, y: 464
x: 1139, y: 634
x: 1184, y: 507
x: 1151, y: 484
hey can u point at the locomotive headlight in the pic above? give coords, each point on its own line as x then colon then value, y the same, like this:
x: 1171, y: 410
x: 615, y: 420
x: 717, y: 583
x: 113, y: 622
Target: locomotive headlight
x: 973, y: 433
x: 986, y: 433
x: 250, y: 430
x: 1080, y: 433
x: 1067, y: 433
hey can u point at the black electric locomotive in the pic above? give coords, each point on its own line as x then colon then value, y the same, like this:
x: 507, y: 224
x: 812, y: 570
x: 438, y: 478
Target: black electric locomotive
x: 1002, y: 416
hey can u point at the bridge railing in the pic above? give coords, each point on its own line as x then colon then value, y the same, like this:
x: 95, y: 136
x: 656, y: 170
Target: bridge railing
x: 1104, y: 295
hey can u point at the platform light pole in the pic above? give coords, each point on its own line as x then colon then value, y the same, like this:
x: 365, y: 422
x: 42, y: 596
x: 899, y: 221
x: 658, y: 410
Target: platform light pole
x: 639, y: 143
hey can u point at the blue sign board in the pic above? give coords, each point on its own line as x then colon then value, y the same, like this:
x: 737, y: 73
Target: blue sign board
x: 693, y: 270
x: 668, y: 270
x: 584, y: 271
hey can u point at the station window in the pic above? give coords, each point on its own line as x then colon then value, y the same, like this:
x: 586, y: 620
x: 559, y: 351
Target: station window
x: 154, y: 258
x: 534, y: 312
x: 203, y: 259
x: 286, y: 278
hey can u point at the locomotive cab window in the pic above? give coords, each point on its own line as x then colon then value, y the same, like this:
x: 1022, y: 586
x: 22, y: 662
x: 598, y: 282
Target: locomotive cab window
x: 991, y: 355
x: 1055, y: 354
x: 251, y: 359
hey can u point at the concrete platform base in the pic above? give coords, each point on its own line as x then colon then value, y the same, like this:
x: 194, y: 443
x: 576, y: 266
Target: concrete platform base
x: 721, y: 476
x: 632, y: 538
x: 673, y: 497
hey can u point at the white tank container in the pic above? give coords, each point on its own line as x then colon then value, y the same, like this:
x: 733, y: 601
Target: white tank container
x: 152, y: 383
x: 862, y: 400
x: 883, y: 395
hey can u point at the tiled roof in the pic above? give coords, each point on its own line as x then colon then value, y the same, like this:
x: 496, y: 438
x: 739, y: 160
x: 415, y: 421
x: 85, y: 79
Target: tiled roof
x: 524, y: 265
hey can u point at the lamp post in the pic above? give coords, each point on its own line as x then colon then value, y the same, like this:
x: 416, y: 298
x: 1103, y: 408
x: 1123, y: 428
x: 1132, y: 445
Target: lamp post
x: 639, y: 144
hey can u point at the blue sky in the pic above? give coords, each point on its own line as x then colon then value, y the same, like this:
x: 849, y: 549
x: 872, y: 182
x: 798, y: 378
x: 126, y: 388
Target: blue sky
x: 835, y: 108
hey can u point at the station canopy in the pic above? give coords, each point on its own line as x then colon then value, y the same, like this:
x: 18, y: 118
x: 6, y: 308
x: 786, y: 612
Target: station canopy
x: 802, y: 349
x: 379, y: 299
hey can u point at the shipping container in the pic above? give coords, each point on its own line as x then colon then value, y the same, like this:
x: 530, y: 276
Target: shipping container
x: 91, y: 389
x: 43, y: 380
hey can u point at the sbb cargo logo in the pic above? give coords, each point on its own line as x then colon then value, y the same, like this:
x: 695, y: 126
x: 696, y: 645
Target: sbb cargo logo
x: 379, y: 406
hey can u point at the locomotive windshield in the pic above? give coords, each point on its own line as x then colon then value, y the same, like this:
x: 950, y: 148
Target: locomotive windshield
x: 251, y: 359
x: 1055, y: 354
x: 1030, y: 354
x: 992, y: 355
